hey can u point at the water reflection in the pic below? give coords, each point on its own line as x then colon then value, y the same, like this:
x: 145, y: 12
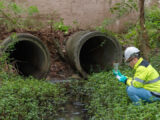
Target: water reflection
x: 73, y: 111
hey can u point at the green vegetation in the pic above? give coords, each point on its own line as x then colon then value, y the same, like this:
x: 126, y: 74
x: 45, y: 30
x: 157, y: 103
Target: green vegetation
x: 120, y: 9
x: 14, y: 17
x: 29, y: 98
x: 152, y: 24
x: 124, y: 7
x: 59, y: 26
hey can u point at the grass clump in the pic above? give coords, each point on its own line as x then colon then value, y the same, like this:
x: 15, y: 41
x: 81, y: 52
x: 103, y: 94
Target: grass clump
x: 29, y: 98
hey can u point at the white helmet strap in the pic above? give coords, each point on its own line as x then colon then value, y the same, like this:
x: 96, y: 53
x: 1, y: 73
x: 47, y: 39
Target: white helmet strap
x: 135, y: 55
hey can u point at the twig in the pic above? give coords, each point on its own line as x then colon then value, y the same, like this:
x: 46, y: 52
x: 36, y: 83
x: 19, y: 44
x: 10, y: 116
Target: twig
x: 57, y: 45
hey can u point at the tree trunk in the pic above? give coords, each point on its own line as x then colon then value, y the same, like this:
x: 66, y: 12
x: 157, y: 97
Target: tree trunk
x: 143, y: 36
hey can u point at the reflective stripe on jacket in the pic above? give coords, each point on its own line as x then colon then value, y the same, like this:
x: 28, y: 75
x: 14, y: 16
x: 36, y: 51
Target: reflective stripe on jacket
x: 145, y: 77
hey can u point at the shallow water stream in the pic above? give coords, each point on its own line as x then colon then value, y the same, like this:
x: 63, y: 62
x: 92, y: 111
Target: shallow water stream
x: 73, y: 111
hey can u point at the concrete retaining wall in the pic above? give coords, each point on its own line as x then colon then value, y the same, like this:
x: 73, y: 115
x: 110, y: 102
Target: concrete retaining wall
x: 88, y: 13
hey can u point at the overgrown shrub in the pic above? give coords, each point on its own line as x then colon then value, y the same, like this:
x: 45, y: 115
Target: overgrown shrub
x: 152, y: 17
x: 15, y: 16
x: 152, y: 24
x: 59, y: 26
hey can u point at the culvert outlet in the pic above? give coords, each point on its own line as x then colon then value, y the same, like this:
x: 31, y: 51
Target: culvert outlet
x: 29, y: 55
x: 92, y: 51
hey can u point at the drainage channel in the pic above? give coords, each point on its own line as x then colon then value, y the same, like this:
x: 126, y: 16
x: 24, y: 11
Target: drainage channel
x: 74, y: 109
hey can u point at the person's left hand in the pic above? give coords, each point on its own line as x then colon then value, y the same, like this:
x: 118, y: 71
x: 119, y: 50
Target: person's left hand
x: 119, y: 76
x: 117, y: 73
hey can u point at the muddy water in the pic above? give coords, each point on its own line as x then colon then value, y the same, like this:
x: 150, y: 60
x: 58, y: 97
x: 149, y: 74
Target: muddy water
x: 73, y: 111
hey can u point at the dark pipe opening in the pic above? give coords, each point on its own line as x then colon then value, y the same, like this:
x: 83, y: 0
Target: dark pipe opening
x: 97, y: 53
x: 27, y: 57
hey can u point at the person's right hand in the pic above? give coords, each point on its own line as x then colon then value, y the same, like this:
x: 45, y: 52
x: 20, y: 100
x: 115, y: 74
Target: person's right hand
x: 122, y: 78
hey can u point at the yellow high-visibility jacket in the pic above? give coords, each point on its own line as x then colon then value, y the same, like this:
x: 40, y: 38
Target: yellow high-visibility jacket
x: 145, y: 77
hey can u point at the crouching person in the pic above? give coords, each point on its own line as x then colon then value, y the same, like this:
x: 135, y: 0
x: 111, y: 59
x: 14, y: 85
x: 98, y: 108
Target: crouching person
x: 145, y: 85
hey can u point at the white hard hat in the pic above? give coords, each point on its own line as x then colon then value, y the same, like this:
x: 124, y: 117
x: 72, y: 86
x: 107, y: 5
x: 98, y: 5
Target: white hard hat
x: 130, y: 51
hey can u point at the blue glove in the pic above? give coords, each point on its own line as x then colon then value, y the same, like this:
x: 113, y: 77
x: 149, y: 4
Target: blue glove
x: 119, y: 76
x: 122, y: 79
x: 116, y: 73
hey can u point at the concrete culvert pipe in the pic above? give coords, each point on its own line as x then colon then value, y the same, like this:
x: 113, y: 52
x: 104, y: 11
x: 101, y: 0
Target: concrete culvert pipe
x: 29, y: 55
x: 92, y: 51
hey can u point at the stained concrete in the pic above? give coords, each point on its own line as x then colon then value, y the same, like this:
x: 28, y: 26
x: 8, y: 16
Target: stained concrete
x: 87, y: 13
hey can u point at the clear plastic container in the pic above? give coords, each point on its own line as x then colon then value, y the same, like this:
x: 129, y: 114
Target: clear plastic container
x: 116, y: 66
